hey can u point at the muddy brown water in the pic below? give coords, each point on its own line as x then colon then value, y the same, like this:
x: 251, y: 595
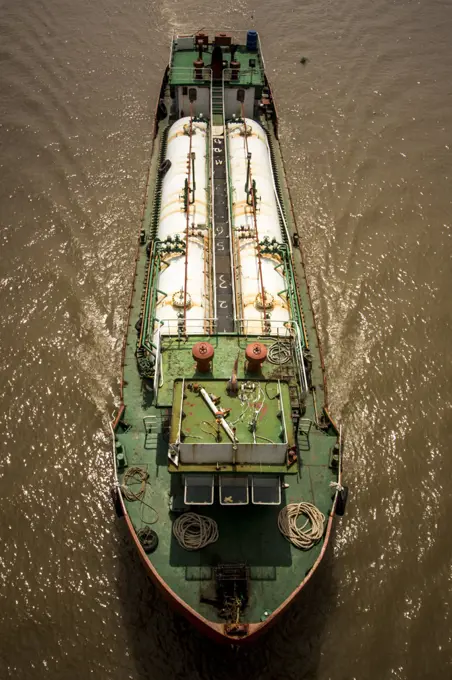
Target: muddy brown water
x: 366, y: 129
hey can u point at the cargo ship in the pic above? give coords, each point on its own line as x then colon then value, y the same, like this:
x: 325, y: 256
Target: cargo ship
x: 227, y: 464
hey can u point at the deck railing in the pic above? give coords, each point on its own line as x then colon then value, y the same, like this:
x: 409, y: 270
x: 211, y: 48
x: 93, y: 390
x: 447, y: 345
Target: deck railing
x: 187, y: 74
x: 238, y: 35
x: 300, y: 357
x: 158, y: 368
x: 237, y: 38
x: 113, y: 443
x: 172, y: 327
x: 248, y: 76
x: 189, y: 327
x: 243, y: 328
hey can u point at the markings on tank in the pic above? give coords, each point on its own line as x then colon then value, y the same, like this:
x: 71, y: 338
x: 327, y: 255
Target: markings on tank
x: 223, y: 280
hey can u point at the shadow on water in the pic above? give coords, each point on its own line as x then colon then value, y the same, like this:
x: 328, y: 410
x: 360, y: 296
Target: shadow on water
x: 163, y: 644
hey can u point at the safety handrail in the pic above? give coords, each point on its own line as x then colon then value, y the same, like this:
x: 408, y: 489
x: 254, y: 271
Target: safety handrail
x: 247, y: 74
x: 168, y: 324
x: 304, y: 379
x: 191, y: 33
x: 260, y: 50
x: 157, y: 361
x: 281, y: 407
x: 187, y: 72
x: 113, y: 438
x: 243, y: 323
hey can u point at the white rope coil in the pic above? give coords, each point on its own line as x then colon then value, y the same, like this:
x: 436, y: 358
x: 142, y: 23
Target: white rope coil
x: 138, y: 475
x: 279, y: 353
x: 134, y: 475
x: 193, y: 531
x: 301, y: 537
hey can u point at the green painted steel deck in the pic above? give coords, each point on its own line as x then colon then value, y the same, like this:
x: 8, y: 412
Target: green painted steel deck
x: 196, y: 413
x: 273, y: 426
x: 182, y: 71
x: 152, y: 417
x: 178, y: 362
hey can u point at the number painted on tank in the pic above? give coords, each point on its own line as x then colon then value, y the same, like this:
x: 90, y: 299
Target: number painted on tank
x: 223, y: 304
x: 219, y: 229
x: 223, y: 283
x: 220, y: 246
x: 218, y: 161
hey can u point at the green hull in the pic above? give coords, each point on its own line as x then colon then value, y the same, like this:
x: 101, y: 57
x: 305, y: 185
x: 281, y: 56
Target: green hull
x: 147, y: 426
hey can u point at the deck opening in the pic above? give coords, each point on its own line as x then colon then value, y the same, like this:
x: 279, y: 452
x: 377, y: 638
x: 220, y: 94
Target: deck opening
x: 199, y: 490
x: 265, y: 490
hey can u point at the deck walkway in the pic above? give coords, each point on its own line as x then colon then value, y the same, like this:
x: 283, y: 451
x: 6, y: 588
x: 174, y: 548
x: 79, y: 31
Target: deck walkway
x: 222, y: 252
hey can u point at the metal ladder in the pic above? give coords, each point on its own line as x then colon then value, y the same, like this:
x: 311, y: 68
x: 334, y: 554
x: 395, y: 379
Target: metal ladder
x: 217, y: 104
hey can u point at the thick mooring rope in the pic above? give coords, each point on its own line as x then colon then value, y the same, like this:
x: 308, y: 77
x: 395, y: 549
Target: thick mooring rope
x: 137, y: 475
x: 134, y: 475
x: 279, y: 353
x: 301, y: 537
x: 193, y: 531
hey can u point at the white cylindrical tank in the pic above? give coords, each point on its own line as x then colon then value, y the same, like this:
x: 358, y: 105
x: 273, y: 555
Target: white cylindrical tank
x: 173, y: 222
x: 268, y: 226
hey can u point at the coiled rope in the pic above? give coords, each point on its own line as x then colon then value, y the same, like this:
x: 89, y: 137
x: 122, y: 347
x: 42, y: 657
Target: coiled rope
x: 134, y: 475
x: 301, y: 537
x: 138, y: 475
x: 193, y: 531
x: 279, y: 353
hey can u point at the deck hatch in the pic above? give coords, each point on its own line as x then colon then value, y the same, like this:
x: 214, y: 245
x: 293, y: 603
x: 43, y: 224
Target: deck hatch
x: 234, y: 490
x: 265, y: 490
x: 198, y: 489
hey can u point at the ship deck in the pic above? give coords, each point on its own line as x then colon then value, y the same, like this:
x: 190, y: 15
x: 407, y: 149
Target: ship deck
x: 182, y: 66
x: 248, y: 534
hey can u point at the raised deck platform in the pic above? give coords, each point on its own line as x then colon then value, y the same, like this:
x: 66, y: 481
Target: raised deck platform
x: 182, y: 66
x: 247, y: 534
